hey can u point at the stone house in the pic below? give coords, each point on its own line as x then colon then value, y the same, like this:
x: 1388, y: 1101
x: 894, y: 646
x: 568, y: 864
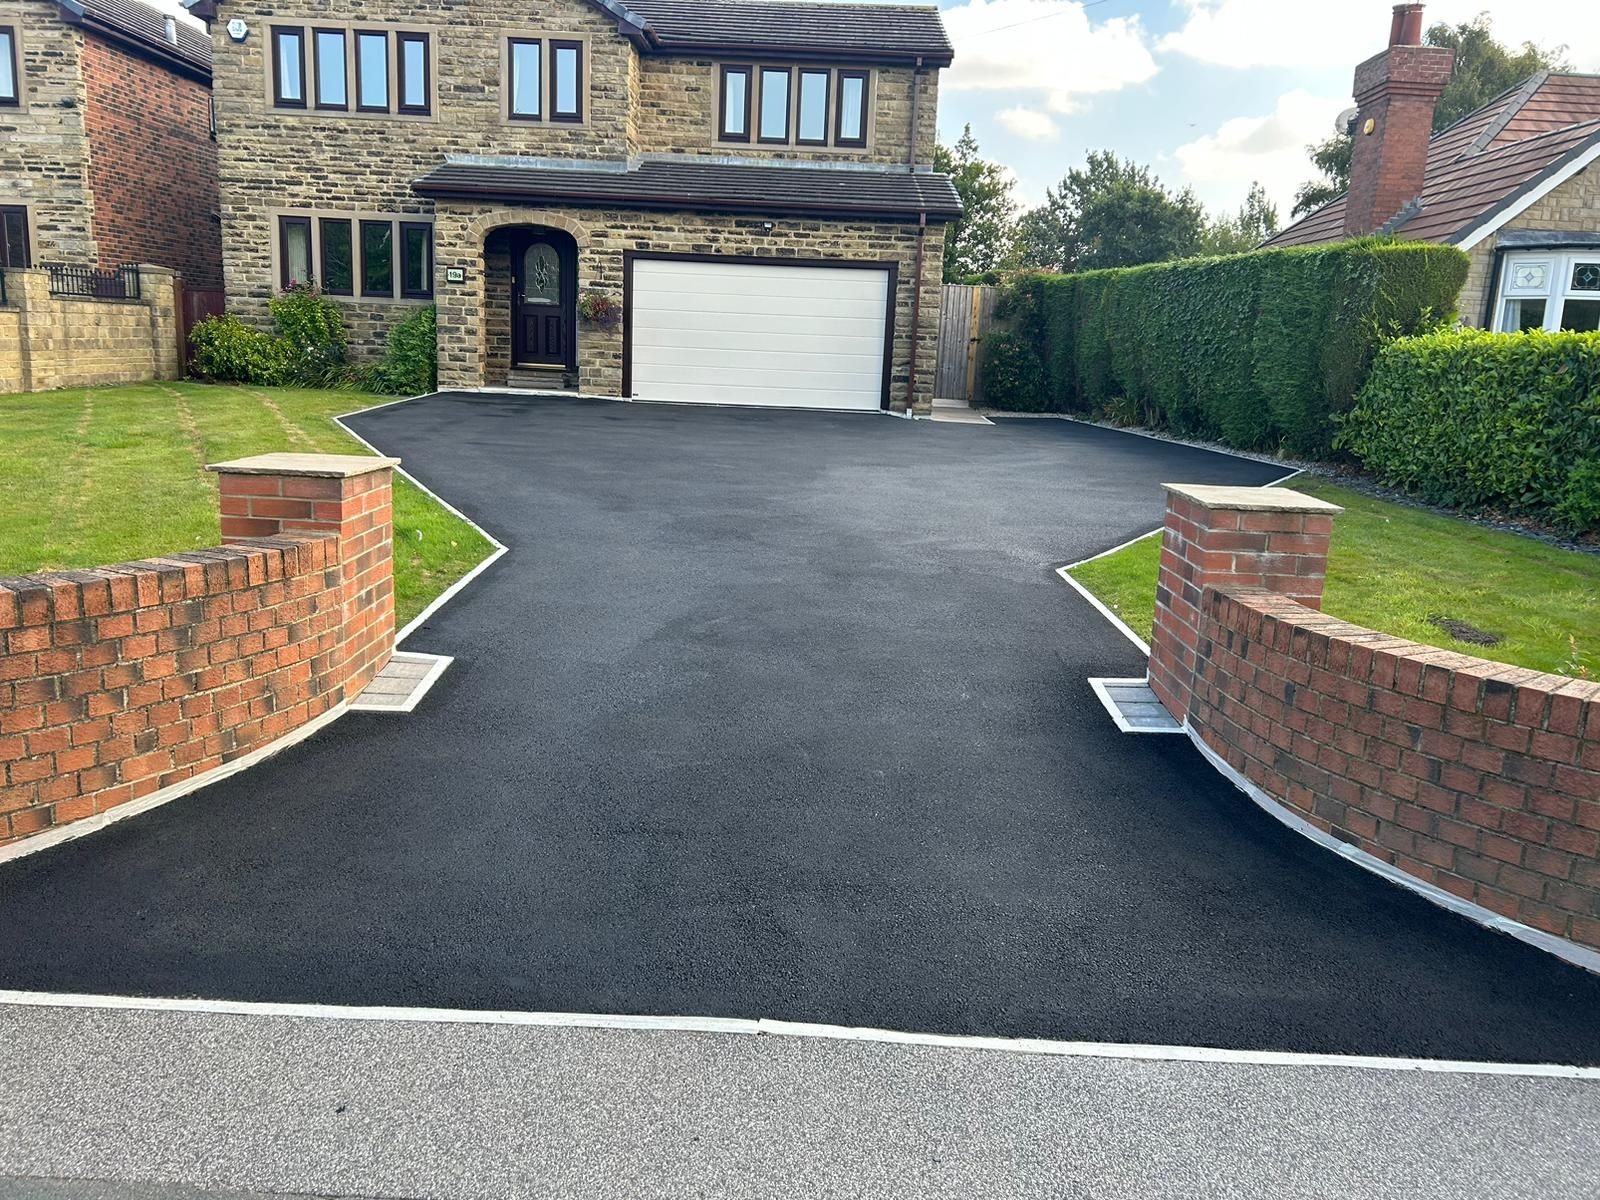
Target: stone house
x: 1514, y: 184
x: 702, y: 200
x: 106, y: 153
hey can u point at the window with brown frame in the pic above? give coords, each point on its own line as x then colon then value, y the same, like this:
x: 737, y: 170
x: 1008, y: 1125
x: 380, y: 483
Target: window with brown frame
x: 811, y: 107
x: 413, y: 68
x: 733, y: 105
x: 338, y: 256
x: 294, y: 251
x: 416, y: 260
x: 288, y: 66
x: 566, y: 81
x: 772, y: 120
x: 524, y: 79
x: 10, y: 69
x: 377, y: 258
x: 332, y: 68
x: 14, y: 249
x: 372, y: 70
x: 850, y: 109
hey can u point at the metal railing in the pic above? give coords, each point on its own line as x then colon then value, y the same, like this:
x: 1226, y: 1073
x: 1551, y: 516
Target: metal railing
x: 116, y: 283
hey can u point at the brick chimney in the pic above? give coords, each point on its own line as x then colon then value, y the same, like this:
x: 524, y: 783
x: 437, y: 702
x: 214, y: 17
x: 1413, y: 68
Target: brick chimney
x: 1395, y: 92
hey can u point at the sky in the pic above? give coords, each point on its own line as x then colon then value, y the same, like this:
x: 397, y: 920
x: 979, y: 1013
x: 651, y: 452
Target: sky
x: 1212, y: 94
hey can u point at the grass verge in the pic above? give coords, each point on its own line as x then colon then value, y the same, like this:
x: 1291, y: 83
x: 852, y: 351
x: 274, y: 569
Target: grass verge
x: 1399, y: 569
x: 103, y: 475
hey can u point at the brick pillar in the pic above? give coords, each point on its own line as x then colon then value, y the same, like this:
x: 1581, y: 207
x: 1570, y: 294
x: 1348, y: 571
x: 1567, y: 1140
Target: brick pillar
x: 1229, y: 537
x: 346, y: 494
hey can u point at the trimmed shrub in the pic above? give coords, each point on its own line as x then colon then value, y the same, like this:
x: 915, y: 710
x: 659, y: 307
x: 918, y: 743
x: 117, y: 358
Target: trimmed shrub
x: 1257, y: 350
x: 311, y: 327
x: 410, y: 365
x: 1508, y: 421
x: 226, y: 350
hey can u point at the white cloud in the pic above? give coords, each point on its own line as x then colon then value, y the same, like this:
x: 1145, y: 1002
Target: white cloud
x: 1306, y: 34
x: 1048, y: 47
x: 1029, y: 123
x: 1269, y: 149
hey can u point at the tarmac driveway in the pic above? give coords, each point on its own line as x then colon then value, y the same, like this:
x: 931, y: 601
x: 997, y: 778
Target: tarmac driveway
x: 781, y: 715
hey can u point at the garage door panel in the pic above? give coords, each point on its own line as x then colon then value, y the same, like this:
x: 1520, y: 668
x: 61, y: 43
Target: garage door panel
x: 762, y: 334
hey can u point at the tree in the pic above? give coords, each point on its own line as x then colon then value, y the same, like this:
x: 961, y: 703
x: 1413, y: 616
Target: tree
x: 1483, y: 70
x: 1247, y: 229
x: 984, y: 238
x: 1110, y: 212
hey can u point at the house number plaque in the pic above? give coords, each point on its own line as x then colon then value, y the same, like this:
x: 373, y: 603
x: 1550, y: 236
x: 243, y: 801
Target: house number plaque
x: 455, y: 275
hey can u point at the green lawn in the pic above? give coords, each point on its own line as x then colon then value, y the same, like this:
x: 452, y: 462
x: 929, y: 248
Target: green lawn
x: 102, y: 475
x: 1393, y: 568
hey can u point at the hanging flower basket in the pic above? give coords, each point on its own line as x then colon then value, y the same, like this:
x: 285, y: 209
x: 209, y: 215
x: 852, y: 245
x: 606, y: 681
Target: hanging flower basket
x: 599, y: 310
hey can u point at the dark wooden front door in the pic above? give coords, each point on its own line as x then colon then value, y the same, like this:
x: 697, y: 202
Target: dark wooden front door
x: 544, y: 300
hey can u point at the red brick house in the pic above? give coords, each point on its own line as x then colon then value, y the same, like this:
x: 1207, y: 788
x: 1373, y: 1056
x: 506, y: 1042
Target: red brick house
x: 107, y: 154
x: 1513, y: 184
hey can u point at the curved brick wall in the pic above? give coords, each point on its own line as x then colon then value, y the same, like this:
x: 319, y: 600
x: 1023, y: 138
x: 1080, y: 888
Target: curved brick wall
x: 119, y: 681
x: 1480, y: 778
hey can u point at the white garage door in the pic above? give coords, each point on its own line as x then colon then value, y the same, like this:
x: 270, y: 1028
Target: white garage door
x: 740, y: 333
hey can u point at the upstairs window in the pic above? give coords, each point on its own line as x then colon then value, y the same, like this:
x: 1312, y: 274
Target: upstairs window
x: 793, y: 106
x: 411, y: 59
x: 333, y: 85
x: 524, y: 86
x: 733, y: 120
x: 372, y: 71
x: 10, y: 72
x: 774, y: 124
x: 850, y: 126
x: 811, y: 109
x: 288, y: 67
x: 352, y: 69
x: 14, y: 251
x: 566, y: 81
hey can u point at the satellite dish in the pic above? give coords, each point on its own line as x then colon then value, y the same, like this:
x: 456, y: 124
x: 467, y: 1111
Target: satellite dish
x: 1345, y: 122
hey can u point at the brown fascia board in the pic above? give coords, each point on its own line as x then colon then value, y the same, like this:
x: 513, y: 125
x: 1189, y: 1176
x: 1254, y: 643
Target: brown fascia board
x: 800, y: 52
x: 158, y: 52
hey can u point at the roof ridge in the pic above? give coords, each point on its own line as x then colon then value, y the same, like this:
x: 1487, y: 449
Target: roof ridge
x: 1529, y: 89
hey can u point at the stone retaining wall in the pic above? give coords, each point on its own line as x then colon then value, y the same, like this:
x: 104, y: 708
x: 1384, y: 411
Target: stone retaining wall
x: 66, y: 341
x: 1476, y: 777
x: 120, y: 681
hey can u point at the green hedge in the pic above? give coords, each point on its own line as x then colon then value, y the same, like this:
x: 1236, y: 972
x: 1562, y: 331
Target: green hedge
x: 1257, y: 350
x: 1487, y: 420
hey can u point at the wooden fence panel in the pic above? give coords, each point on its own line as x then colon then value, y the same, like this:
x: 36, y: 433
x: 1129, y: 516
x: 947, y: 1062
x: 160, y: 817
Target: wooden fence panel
x: 964, y: 313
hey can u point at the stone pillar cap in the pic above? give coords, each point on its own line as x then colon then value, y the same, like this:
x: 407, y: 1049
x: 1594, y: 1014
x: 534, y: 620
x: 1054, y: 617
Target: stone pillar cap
x: 1252, y: 499
x: 324, y: 466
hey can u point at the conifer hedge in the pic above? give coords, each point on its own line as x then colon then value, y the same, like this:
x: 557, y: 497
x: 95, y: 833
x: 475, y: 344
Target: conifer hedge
x: 1258, y: 351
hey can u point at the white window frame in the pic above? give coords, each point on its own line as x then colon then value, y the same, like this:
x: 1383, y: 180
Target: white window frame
x: 1557, y: 291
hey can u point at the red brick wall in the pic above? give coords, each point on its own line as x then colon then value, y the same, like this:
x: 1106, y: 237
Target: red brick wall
x: 152, y: 165
x: 117, y: 681
x: 1479, y: 778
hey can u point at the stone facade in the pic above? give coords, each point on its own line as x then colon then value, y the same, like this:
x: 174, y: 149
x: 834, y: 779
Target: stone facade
x: 1574, y: 207
x: 274, y: 161
x: 44, y: 146
x: 65, y: 341
x: 474, y: 333
x: 109, y: 152
x: 677, y: 114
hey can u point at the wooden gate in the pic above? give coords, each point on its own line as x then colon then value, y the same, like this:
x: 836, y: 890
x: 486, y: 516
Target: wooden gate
x: 194, y: 306
x: 964, y: 312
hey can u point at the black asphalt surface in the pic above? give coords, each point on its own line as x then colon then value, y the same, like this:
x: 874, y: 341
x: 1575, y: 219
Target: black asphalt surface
x: 783, y: 715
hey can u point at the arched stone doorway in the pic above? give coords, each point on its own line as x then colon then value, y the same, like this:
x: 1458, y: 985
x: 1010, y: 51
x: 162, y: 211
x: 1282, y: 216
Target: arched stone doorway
x: 531, y: 306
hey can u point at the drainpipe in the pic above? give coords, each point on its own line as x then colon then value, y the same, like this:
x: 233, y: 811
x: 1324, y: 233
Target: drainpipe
x: 922, y: 238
